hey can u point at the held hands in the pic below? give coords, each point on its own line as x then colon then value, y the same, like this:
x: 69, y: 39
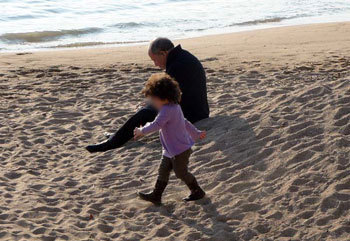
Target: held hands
x: 138, y: 133
x: 202, y: 135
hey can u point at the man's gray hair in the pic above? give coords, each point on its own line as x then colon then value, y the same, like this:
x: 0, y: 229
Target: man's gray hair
x: 161, y: 44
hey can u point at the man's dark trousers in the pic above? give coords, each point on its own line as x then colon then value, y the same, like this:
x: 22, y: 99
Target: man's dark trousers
x: 126, y: 132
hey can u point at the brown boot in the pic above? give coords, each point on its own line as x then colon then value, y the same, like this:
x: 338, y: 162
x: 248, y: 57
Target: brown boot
x: 196, y: 191
x: 156, y: 195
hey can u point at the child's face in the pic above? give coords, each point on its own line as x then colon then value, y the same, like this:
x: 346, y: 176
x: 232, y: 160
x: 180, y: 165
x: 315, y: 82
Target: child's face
x: 157, y: 102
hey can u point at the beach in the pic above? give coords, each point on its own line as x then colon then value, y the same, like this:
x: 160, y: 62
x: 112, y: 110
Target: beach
x: 275, y: 163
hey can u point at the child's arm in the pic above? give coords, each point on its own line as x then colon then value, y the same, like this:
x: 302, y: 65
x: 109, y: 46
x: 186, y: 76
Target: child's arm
x: 161, y: 119
x: 194, y: 132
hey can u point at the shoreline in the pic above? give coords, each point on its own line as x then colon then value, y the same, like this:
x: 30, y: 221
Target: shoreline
x: 99, y: 44
x: 236, y: 43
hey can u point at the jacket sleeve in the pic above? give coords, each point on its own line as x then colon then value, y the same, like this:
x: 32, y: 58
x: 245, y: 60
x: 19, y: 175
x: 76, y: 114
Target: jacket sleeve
x: 161, y: 119
x: 192, y: 130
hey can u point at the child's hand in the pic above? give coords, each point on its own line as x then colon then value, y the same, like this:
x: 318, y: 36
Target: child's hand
x: 138, y: 133
x: 202, y: 135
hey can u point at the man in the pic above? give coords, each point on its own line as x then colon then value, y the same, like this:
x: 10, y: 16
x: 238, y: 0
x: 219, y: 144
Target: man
x: 187, y: 71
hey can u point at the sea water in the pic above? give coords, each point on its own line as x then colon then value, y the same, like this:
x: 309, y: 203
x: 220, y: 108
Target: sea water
x: 45, y: 24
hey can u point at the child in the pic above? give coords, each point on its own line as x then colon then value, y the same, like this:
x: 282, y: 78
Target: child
x: 177, y: 136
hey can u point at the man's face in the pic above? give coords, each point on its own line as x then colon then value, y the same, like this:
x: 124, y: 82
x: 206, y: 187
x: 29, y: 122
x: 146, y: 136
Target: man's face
x: 159, y: 59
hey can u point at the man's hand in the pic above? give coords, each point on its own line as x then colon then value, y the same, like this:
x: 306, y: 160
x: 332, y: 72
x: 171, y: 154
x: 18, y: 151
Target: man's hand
x: 202, y: 135
x: 138, y: 133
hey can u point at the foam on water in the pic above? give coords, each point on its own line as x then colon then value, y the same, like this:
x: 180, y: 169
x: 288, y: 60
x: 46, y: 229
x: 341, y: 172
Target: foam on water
x: 27, y: 25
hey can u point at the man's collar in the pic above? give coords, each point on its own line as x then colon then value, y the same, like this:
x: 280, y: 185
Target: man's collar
x: 172, y: 54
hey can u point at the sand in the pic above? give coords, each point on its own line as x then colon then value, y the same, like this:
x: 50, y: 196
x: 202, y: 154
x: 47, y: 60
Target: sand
x: 275, y: 164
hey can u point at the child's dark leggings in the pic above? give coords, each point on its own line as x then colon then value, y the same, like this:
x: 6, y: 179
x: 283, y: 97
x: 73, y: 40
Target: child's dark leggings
x: 179, y: 164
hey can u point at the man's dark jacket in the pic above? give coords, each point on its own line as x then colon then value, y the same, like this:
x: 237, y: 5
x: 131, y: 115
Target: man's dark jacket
x: 186, y: 69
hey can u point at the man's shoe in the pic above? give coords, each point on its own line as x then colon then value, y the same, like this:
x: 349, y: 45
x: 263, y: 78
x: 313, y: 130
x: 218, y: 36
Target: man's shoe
x: 156, y: 195
x: 195, y: 195
x: 108, y: 134
x: 101, y: 147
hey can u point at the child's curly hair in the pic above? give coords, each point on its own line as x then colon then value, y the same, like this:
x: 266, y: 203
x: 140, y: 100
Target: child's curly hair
x: 164, y: 87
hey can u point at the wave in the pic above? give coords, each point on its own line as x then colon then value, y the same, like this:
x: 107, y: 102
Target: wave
x: 267, y: 20
x: 129, y: 25
x: 45, y: 36
x: 249, y: 23
x: 197, y: 29
x: 28, y: 16
x: 260, y: 21
x: 90, y: 44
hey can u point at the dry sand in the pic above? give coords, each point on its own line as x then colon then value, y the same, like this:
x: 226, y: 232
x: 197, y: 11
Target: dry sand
x: 275, y: 164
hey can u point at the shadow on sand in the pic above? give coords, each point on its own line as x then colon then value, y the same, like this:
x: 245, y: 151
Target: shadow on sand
x: 219, y: 161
